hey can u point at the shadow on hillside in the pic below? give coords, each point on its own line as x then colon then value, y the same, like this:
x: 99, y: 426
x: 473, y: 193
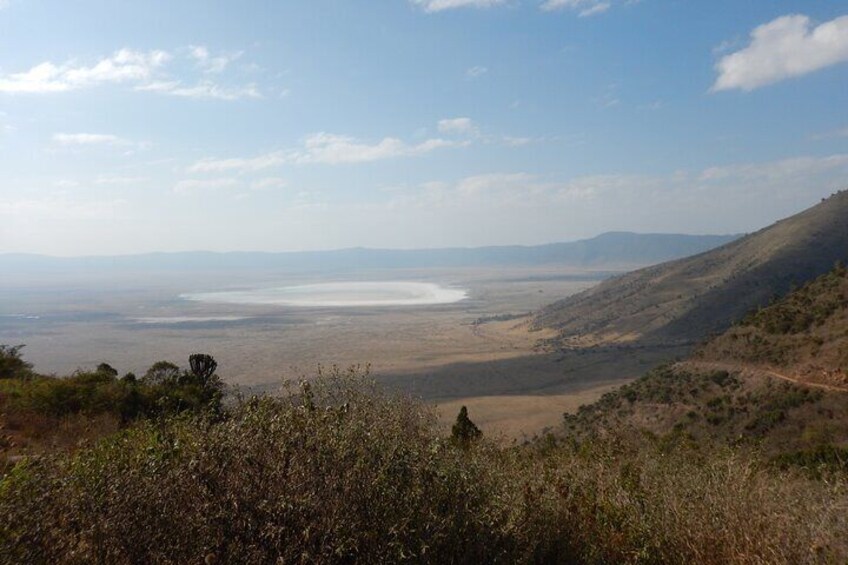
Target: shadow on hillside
x: 563, y: 372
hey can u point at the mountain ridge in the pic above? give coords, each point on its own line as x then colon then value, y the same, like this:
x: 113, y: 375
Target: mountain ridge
x: 621, y: 248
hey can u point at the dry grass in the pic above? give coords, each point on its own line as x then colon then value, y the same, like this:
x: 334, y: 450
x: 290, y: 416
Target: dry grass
x: 518, y: 417
x: 338, y: 473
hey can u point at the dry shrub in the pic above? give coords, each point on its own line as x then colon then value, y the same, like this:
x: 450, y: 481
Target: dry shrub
x: 338, y: 472
x: 625, y: 504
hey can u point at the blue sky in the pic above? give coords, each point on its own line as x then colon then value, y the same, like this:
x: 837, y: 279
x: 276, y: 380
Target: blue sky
x: 129, y: 127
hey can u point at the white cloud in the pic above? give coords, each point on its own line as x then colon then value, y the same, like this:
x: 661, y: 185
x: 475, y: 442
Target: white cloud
x: 122, y: 66
x: 786, y: 47
x: 252, y: 164
x: 203, y: 89
x: 212, y: 64
x: 337, y: 149
x: 118, y: 180
x: 793, y: 168
x: 476, y: 72
x: 440, y: 5
x: 88, y: 139
x: 328, y: 149
x: 584, y: 8
x: 268, y: 183
x: 144, y: 71
x: 460, y: 126
x: 188, y: 186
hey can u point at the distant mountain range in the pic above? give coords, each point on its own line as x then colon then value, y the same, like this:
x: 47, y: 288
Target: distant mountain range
x: 688, y: 299
x: 619, y: 250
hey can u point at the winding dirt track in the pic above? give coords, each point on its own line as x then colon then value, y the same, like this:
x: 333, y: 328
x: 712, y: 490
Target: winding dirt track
x: 731, y: 367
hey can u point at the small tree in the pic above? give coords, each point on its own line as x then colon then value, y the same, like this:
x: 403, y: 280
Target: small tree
x: 12, y: 365
x: 107, y: 369
x: 161, y: 372
x: 203, y: 367
x: 464, y: 430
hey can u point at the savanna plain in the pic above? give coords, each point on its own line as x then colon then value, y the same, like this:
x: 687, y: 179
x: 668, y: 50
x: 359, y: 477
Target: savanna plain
x: 479, y: 351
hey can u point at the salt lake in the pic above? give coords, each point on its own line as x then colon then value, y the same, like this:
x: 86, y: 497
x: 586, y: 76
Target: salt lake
x: 339, y: 295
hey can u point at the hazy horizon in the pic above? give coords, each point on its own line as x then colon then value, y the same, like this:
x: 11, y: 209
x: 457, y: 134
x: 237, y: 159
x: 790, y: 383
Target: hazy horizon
x: 365, y: 248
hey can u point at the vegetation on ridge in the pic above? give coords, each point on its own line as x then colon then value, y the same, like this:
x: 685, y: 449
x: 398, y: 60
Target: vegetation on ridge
x: 805, y: 332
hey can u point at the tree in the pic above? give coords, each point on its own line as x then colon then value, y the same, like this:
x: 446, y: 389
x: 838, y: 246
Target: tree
x: 12, y: 365
x: 464, y: 430
x: 107, y: 369
x: 161, y: 372
x: 203, y: 367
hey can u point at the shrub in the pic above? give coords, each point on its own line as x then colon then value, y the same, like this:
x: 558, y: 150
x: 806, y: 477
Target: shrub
x: 337, y: 472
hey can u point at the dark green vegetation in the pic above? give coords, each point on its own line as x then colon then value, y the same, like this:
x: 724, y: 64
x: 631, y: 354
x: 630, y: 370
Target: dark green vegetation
x: 464, y: 430
x: 39, y: 412
x: 807, y: 332
x: 338, y: 472
x: 688, y: 299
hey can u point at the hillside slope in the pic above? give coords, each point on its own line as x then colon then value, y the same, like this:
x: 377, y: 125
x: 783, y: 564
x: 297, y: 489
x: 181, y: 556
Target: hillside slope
x: 687, y: 299
x: 804, y: 335
x: 776, y: 381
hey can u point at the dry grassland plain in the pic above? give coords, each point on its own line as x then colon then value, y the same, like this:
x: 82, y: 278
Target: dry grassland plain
x: 449, y: 354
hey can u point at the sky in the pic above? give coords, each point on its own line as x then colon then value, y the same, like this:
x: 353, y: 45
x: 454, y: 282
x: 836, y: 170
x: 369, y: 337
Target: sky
x: 131, y: 127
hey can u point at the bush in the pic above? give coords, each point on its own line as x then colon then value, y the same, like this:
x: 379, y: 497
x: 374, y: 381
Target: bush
x: 337, y: 472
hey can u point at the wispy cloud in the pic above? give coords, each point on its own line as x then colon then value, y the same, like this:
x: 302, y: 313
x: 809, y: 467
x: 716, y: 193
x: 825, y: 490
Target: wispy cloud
x: 470, y: 131
x: 726, y: 198
x: 118, y: 180
x: 328, y: 149
x: 584, y: 8
x: 188, y: 186
x: 454, y: 126
x: 243, y: 164
x: 143, y: 71
x: 475, y: 72
x: 59, y: 207
x: 203, y: 89
x: 337, y: 149
x: 88, y: 139
x: 213, y: 64
x: 269, y: 183
x: 441, y: 5
x: 787, y: 47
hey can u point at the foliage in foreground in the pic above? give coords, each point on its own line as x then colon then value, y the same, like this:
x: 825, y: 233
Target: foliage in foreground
x: 336, y: 472
x: 40, y: 412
